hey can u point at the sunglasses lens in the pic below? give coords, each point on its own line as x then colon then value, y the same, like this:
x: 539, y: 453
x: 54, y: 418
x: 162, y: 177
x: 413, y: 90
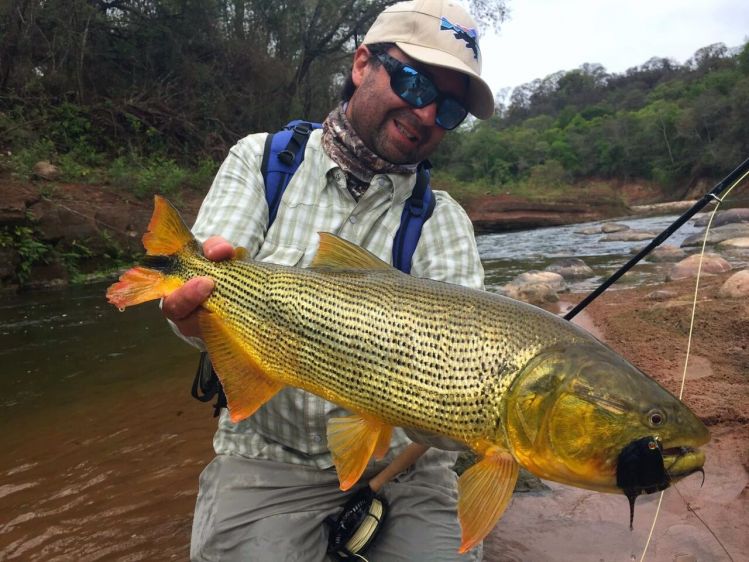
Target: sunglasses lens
x: 418, y: 90
x: 450, y: 113
x: 413, y: 87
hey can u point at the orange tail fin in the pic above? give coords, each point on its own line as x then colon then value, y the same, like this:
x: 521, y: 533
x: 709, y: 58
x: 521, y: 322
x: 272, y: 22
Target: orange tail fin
x: 167, y: 234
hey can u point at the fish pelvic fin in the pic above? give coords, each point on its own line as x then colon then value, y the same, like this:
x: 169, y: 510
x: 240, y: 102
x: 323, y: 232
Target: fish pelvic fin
x: 141, y: 284
x: 336, y: 253
x: 484, y: 491
x: 246, y: 385
x: 167, y: 233
x: 352, y: 441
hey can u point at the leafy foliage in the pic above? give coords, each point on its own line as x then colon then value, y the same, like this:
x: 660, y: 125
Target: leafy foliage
x: 660, y: 121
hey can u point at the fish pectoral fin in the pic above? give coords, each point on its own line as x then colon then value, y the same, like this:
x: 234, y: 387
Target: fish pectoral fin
x: 352, y: 440
x: 336, y: 253
x: 484, y: 490
x: 246, y: 385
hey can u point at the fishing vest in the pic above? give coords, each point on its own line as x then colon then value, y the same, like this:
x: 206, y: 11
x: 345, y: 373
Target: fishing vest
x: 282, y: 155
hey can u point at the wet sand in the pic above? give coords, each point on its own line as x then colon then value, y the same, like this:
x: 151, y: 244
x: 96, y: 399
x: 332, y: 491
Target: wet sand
x: 116, y: 478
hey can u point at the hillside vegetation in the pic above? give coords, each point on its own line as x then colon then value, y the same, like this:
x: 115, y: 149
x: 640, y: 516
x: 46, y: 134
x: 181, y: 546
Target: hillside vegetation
x: 149, y: 95
x: 662, y: 121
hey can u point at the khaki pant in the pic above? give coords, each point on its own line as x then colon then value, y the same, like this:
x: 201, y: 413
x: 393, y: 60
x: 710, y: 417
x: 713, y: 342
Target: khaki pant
x: 264, y: 511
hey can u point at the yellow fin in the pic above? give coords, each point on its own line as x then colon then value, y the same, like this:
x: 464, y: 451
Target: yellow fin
x: 140, y: 284
x: 383, y: 442
x: 245, y: 384
x: 484, y: 490
x: 167, y: 232
x: 352, y: 440
x: 337, y: 253
x: 240, y: 254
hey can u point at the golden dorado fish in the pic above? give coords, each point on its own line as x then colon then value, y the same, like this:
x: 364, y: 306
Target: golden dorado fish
x: 516, y: 384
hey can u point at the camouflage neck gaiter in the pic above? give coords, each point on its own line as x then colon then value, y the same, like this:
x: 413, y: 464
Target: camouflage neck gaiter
x: 341, y: 142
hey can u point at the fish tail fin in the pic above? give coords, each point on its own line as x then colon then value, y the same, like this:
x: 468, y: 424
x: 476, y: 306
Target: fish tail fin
x: 141, y: 284
x: 167, y: 236
x: 167, y: 232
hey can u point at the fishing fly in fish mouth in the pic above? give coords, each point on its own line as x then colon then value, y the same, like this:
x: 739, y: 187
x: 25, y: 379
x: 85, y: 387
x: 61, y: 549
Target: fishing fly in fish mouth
x: 516, y: 384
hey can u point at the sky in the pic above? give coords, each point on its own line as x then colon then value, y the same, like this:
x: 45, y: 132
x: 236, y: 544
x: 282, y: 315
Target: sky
x: 544, y: 36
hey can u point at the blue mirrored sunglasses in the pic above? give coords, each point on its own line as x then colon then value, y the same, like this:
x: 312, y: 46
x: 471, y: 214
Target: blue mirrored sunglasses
x: 418, y: 90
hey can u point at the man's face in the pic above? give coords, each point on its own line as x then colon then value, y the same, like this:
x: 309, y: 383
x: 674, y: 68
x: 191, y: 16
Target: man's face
x: 389, y: 126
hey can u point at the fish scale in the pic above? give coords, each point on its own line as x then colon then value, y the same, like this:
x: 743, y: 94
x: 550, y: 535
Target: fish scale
x: 439, y: 360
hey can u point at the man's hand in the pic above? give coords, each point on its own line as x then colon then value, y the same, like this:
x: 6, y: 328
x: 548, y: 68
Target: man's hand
x: 181, y: 306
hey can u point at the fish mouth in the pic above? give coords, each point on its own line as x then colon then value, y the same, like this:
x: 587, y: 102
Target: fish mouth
x: 682, y: 461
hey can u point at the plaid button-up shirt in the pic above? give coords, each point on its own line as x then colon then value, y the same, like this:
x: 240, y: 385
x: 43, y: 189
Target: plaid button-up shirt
x: 291, y: 427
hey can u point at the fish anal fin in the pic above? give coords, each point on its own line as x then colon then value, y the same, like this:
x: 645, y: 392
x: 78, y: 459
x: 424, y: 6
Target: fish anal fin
x: 336, y: 253
x: 352, y: 440
x: 484, y: 490
x: 167, y: 232
x: 246, y: 385
x: 140, y: 284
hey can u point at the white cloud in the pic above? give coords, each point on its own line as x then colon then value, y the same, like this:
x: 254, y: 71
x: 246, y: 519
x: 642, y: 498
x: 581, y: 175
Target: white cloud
x: 544, y: 36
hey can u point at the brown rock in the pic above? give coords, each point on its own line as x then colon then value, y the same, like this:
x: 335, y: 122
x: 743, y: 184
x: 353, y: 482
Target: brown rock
x: 724, y: 217
x: 536, y: 293
x: 736, y: 286
x: 741, y: 242
x: 571, y: 268
x: 610, y: 227
x: 629, y: 236
x: 688, y: 267
x: 46, y: 170
x: 661, y: 295
x: 718, y: 234
x: 666, y: 253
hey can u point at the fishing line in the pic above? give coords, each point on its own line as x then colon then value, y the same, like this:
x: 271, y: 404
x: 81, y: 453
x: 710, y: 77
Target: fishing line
x: 718, y: 201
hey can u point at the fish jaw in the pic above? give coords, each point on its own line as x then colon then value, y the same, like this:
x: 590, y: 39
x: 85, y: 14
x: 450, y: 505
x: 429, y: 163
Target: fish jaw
x: 576, y: 407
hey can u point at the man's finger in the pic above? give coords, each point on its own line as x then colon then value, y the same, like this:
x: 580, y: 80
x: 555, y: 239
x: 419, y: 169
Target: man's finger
x: 216, y: 248
x: 187, y: 298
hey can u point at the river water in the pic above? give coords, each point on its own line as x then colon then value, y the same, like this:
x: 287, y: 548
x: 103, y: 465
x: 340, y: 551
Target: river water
x: 76, y: 374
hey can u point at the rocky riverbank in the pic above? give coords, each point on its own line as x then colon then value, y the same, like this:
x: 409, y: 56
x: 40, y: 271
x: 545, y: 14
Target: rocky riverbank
x: 53, y: 233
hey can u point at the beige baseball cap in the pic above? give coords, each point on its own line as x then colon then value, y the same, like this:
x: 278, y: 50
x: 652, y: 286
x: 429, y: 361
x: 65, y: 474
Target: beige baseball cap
x: 439, y: 33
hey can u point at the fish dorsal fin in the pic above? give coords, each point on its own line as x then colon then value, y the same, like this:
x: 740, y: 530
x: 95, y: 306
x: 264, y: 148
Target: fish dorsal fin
x: 246, y: 385
x: 167, y: 232
x: 336, y: 253
x: 352, y: 441
x: 484, y: 490
x: 240, y: 254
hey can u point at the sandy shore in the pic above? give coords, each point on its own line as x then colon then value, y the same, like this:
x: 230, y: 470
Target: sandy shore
x: 117, y: 479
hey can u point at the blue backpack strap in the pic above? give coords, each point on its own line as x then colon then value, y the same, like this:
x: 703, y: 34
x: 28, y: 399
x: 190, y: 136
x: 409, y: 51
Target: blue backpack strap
x: 416, y: 212
x: 283, y: 154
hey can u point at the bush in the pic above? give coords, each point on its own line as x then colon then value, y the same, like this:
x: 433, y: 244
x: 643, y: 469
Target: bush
x: 147, y: 177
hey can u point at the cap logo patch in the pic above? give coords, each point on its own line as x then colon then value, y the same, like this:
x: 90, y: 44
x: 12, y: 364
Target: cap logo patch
x: 467, y: 34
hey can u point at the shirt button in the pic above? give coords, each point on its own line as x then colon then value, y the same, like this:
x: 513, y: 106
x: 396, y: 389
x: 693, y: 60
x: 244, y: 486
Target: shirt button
x: 352, y: 219
x: 316, y: 438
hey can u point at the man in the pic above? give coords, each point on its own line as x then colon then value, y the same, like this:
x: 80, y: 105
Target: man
x: 272, y: 482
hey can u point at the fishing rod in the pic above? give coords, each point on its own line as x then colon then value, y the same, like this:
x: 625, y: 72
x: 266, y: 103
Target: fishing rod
x: 712, y: 195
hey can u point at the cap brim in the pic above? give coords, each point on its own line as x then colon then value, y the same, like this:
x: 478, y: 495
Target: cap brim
x: 480, y: 100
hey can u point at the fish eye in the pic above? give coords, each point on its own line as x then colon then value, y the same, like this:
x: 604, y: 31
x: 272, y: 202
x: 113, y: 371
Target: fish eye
x: 656, y: 418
